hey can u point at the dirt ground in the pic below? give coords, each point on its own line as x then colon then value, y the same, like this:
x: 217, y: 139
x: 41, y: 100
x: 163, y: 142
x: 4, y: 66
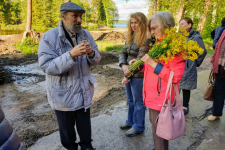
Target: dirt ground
x: 24, y: 100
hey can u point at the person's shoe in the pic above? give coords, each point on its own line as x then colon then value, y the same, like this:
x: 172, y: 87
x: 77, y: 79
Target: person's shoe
x: 131, y: 132
x: 186, y: 111
x: 212, y: 118
x: 124, y: 126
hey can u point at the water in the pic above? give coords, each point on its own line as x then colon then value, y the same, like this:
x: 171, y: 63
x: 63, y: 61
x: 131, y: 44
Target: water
x: 120, y: 25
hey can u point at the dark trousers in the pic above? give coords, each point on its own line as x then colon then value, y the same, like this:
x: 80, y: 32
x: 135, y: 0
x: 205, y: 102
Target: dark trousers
x: 66, y: 121
x: 219, y: 96
x: 186, y: 97
x: 159, y: 143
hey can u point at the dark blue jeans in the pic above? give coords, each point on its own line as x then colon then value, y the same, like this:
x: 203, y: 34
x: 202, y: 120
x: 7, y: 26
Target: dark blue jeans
x: 219, y: 96
x: 136, y: 110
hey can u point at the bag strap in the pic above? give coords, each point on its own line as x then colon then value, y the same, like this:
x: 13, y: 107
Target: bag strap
x: 177, y: 95
x: 211, y: 77
x: 169, y: 85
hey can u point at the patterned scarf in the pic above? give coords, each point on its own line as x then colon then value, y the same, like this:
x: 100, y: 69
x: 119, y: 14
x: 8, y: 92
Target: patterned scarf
x: 218, y: 57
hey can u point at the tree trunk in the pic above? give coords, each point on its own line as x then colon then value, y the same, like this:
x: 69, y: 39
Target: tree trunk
x: 203, y: 16
x: 29, y: 15
x: 154, y: 7
x: 67, y: 1
x: 27, y: 33
x: 214, y: 12
x: 181, y: 12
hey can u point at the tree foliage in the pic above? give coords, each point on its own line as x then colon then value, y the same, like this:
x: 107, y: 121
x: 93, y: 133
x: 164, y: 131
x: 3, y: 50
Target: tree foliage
x: 46, y: 13
x: 205, y: 18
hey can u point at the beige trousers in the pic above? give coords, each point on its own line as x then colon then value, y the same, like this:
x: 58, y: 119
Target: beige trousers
x: 159, y: 143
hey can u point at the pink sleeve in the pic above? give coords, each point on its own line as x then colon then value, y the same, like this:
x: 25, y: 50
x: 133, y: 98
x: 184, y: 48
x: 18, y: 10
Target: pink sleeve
x: 177, y: 65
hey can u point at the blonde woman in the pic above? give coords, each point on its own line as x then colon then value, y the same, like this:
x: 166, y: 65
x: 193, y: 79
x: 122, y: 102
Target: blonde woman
x: 136, y: 37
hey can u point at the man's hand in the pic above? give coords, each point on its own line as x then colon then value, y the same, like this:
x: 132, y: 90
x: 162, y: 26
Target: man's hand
x: 78, y: 50
x: 125, y: 81
x: 125, y: 70
x: 148, y: 60
x: 132, y: 61
x: 88, y: 48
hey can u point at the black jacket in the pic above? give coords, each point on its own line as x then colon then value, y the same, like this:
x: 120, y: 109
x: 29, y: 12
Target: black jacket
x: 134, y: 52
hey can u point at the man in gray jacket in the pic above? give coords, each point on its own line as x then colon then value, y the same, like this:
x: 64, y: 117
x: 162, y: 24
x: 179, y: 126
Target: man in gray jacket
x: 66, y: 54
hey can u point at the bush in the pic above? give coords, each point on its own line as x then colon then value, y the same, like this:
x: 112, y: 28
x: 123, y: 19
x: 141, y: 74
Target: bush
x: 110, y: 25
x: 27, y: 47
x: 95, y: 26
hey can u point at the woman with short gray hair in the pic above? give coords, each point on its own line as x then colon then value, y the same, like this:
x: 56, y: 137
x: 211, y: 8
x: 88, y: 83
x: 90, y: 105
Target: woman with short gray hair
x: 165, y: 21
x: 156, y: 74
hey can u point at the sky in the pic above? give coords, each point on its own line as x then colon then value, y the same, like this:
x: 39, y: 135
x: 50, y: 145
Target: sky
x: 126, y: 8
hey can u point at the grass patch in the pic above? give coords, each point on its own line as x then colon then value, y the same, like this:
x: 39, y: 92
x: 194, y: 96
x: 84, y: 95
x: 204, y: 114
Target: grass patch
x: 27, y: 47
x: 109, y: 46
x: 210, y: 51
x: 208, y: 41
x: 208, y: 44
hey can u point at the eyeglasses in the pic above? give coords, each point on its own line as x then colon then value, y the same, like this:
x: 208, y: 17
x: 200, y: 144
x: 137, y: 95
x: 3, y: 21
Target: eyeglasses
x: 153, y: 28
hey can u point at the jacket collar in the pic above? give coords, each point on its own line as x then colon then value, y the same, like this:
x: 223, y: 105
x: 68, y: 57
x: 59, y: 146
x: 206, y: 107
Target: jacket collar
x: 62, y: 34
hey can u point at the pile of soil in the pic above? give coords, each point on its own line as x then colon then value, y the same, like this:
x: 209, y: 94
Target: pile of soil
x: 112, y: 36
x: 109, y: 58
x: 96, y: 35
x: 8, y: 44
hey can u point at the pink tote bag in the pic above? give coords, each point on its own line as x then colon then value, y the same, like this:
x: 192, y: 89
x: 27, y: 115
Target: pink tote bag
x: 171, y: 120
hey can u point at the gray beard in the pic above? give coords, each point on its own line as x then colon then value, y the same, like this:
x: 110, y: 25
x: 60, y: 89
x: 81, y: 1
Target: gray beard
x: 73, y: 29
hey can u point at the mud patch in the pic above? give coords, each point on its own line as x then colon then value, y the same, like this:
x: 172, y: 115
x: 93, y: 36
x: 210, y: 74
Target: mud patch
x: 107, y: 71
x: 115, y: 95
x: 24, y: 98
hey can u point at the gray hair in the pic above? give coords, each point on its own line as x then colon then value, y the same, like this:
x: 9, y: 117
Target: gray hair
x: 165, y: 20
x: 63, y: 12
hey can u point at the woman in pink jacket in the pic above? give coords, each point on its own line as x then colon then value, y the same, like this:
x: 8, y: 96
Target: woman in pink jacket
x: 156, y: 75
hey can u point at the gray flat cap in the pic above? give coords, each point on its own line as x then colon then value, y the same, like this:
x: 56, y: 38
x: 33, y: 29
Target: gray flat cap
x: 69, y: 6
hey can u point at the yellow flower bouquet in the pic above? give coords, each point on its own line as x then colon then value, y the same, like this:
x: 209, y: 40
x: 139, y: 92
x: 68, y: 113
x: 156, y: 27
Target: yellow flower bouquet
x: 171, y: 44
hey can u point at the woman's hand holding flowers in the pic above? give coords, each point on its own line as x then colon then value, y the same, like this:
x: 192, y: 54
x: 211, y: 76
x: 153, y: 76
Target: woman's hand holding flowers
x: 126, y: 70
x: 148, y: 60
x: 125, y: 81
x: 132, y: 61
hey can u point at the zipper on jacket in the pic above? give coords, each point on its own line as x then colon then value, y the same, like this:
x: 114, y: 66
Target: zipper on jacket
x: 145, y: 98
x: 159, y: 86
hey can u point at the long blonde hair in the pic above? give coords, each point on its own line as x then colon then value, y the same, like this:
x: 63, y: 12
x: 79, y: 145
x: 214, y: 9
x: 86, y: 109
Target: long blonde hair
x: 140, y: 35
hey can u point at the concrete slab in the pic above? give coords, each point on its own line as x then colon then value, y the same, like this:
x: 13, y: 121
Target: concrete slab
x: 198, y: 106
x: 218, y: 124
x: 211, y: 145
x: 107, y: 135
